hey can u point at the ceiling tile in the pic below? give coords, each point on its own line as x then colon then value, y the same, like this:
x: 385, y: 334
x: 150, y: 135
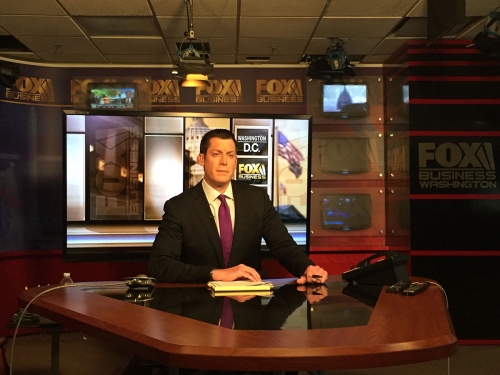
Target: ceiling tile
x: 472, y: 8
x: 346, y: 27
x: 135, y: 31
x: 360, y: 46
x: 32, y: 7
x: 173, y: 8
x: 203, y: 28
x: 130, y: 46
x: 274, y: 59
x: 58, y: 45
x: 297, y: 27
x: 221, y: 46
x: 282, y: 8
x: 222, y: 59
x: 217, y: 46
x: 201, y: 8
x: 480, y: 8
x: 260, y: 46
x: 376, y: 59
x: 107, y: 7
x: 413, y: 27
x: 352, y: 46
x: 417, y: 27
x: 22, y: 56
x: 40, y: 26
x: 73, y: 58
x: 390, y: 45
x: 139, y: 59
x: 362, y: 8
x: 119, y: 26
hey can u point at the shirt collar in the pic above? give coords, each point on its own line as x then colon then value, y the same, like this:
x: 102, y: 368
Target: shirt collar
x: 213, y: 194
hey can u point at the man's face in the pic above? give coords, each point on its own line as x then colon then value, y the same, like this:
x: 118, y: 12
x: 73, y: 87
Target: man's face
x: 128, y: 94
x: 219, y: 163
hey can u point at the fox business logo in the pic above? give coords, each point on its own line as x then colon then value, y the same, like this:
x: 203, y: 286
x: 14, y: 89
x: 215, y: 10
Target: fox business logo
x: 252, y: 171
x: 398, y: 159
x: 117, y: 172
x: 223, y: 91
x: 456, y: 165
x: 279, y: 91
x: 31, y: 89
x: 165, y: 91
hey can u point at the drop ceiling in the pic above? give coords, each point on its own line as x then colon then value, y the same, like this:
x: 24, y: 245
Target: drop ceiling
x: 238, y: 32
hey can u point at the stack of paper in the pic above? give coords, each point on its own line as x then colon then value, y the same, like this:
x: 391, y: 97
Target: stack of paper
x: 240, y: 286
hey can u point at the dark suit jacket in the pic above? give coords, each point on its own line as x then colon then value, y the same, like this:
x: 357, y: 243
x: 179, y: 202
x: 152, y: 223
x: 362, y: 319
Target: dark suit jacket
x: 187, y: 247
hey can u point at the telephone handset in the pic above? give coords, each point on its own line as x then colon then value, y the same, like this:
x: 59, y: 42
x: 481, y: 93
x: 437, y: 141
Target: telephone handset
x: 382, y: 268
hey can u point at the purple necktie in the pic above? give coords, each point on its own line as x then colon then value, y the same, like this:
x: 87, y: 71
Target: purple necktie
x: 225, y: 228
x: 226, y: 319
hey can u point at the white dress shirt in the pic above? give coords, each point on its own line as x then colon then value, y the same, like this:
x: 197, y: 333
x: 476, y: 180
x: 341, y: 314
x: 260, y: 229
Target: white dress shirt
x: 214, y: 201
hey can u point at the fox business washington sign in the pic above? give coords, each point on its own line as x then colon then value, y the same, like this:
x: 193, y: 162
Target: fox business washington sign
x: 457, y: 166
x: 32, y: 90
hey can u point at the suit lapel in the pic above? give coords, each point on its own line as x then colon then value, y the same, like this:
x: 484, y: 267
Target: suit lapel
x: 202, y: 209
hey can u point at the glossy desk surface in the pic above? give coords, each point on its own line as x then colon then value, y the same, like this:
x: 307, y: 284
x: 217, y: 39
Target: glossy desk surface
x: 346, y: 328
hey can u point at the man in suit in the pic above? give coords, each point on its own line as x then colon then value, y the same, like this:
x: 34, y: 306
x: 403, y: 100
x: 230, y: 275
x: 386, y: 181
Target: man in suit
x: 188, y: 248
x: 128, y: 100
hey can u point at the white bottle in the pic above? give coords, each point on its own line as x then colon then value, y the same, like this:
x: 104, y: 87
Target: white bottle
x: 66, y: 279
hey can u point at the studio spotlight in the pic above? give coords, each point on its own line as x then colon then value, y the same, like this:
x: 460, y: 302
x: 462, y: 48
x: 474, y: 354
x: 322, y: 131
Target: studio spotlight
x: 488, y: 40
x: 334, y: 63
x: 194, y: 67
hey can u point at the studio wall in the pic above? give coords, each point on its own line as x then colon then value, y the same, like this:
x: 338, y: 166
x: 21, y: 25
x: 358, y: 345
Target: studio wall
x: 454, y: 192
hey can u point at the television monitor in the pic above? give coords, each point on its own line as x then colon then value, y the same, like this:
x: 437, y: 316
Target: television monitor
x: 120, y: 167
x: 345, y: 100
x: 345, y: 155
x: 112, y: 96
x: 346, y: 211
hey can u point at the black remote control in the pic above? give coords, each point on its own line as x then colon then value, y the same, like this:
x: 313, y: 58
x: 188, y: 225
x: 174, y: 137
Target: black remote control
x: 399, y: 286
x: 416, y: 288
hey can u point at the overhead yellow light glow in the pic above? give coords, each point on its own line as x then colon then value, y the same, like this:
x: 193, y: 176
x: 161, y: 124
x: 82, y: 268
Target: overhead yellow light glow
x: 196, y: 77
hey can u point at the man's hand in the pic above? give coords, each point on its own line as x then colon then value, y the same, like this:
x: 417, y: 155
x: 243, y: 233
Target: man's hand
x: 314, y: 293
x: 239, y: 272
x: 313, y: 274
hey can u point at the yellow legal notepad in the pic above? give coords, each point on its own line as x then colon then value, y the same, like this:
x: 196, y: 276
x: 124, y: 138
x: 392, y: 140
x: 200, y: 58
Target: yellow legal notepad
x: 239, y: 286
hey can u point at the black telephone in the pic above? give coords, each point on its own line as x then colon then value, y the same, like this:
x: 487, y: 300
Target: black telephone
x: 382, y: 268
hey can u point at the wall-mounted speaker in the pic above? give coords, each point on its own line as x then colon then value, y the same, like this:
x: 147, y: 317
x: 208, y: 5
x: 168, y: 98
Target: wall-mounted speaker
x: 9, y: 73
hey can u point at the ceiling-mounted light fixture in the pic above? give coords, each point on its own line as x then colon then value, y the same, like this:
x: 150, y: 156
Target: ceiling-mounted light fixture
x: 193, y: 54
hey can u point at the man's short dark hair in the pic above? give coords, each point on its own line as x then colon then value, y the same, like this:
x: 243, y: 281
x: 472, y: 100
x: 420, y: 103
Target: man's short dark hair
x: 216, y: 133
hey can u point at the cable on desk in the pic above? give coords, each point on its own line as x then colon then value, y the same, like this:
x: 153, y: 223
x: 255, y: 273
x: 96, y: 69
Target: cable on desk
x: 20, y: 318
x: 440, y: 287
